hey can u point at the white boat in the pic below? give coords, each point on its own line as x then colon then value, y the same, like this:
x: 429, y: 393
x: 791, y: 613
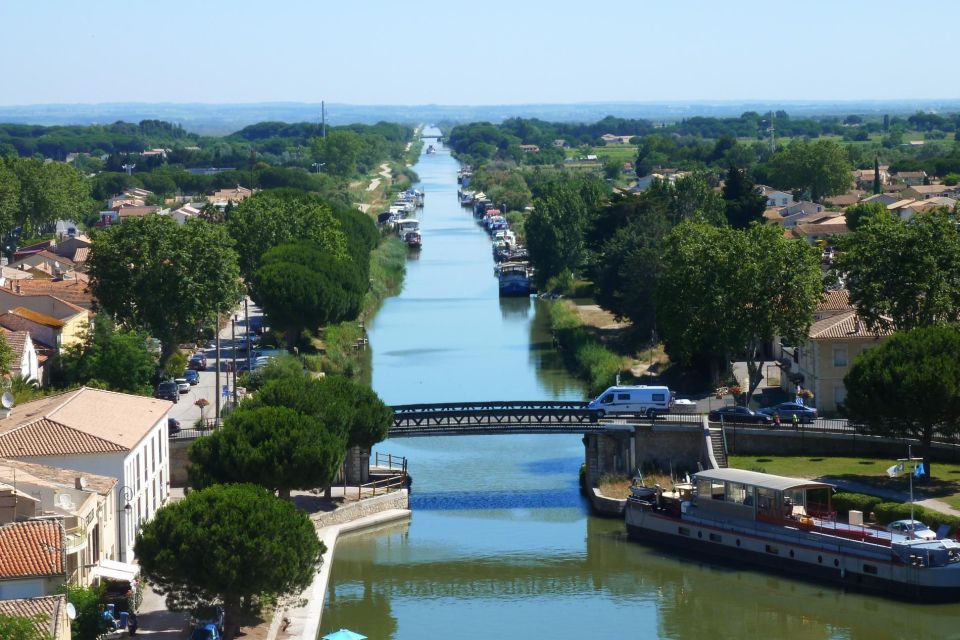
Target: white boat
x: 786, y: 524
x: 405, y: 226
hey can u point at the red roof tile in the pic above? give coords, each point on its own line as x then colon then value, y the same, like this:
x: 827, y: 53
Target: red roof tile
x: 31, y: 549
x: 49, y: 438
x: 48, y: 611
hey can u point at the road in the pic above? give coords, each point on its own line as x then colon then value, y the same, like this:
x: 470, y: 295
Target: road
x: 186, y: 410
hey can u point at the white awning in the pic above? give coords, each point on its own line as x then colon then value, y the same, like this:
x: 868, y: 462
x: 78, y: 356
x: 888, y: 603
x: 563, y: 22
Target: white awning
x: 114, y: 570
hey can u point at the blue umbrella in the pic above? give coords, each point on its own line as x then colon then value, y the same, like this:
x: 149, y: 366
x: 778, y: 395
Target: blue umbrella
x: 344, y: 634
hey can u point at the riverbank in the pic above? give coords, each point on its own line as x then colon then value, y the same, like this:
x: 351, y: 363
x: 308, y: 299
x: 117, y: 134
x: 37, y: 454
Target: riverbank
x: 584, y: 353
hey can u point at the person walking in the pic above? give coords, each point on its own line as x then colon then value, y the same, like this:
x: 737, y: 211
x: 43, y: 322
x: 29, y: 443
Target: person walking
x: 795, y: 420
x: 776, y: 419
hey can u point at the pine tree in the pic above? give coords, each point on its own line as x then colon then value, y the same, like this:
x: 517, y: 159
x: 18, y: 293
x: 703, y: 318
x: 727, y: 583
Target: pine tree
x: 744, y: 204
x: 876, y: 174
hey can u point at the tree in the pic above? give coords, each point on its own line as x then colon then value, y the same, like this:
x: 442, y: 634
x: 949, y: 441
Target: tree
x: 275, y: 447
x: 300, y: 286
x: 820, y: 168
x: 368, y: 419
x: 22, y: 628
x: 909, y: 386
x: 87, y: 601
x: 856, y: 214
x: 725, y: 292
x: 166, y: 279
x: 903, y: 275
x: 228, y: 543
x: 49, y: 191
x: 877, y: 187
x: 120, y: 360
x: 339, y: 152
x: 744, y: 202
x: 272, y: 218
x: 9, y: 198
x: 6, y: 356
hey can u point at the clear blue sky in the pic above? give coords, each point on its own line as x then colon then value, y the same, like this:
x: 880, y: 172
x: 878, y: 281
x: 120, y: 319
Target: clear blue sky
x: 475, y: 52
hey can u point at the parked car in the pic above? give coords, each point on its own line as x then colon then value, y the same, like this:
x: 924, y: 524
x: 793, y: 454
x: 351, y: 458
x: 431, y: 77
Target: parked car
x: 198, y: 362
x: 739, y: 414
x: 912, y: 529
x: 205, y: 632
x: 788, y: 409
x: 173, y: 426
x: 183, y: 385
x: 209, y: 615
x: 168, y: 390
x: 191, y: 376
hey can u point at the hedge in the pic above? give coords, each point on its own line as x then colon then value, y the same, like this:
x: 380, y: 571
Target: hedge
x: 887, y: 512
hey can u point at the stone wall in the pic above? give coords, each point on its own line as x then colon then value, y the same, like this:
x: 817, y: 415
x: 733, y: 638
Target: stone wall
x: 666, y: 445
x: 399, y: 499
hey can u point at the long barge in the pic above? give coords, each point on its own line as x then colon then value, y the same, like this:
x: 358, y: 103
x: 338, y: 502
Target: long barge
x: 786, y: 524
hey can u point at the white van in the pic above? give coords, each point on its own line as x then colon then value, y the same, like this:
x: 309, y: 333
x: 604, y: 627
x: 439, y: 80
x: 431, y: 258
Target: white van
x: 642, y: 399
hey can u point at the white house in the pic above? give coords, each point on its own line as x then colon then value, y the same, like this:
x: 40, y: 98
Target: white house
x: 26, y: 362
x: 105, y: 433
x: 775, y: 198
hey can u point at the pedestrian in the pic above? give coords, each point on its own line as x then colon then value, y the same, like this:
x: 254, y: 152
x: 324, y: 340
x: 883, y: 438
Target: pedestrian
x: 795, y: 420
x: 132, y: 624
x: 776, y: 419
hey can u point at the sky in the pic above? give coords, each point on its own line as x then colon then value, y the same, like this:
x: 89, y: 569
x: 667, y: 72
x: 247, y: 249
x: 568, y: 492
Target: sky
x: 473, y: 52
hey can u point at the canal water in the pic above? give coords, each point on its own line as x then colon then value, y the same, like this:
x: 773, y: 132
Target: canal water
x: 501, y: 544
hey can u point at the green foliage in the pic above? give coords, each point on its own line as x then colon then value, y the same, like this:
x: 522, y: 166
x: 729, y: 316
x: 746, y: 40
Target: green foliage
x: 119, y: 359
x: 339, y: 152
x: 47, y: 191
x: 744, y: 203
x: 275, y: 447
x: 88, y: 601
x: 903, y: 274
x: 166, y: 279
x: 9, y: 197
x: 277, y: 368
x: 176, y: 364
x: 6, y: 356
x: 858, y: 213
x: 909, y: 386
x: 887, y: 512
x: 273, y: 218
x: 228, y: 543
x: 820, y: 168
x: 726, y: 291
x: 301, y: 286
x: 23, y: 628
x: 582, y: 350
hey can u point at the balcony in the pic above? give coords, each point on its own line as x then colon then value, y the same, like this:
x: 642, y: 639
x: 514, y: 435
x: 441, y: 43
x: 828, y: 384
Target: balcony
x: 75, y: 540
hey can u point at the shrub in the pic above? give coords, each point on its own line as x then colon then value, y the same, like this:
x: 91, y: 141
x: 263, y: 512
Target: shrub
x: 887, y: 512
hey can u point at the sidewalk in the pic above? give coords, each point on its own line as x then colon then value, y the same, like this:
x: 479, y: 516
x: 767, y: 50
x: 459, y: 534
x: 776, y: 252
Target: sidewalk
x: 891, y: 494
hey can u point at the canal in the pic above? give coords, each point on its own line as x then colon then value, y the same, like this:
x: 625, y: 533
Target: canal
x: 501, y: 544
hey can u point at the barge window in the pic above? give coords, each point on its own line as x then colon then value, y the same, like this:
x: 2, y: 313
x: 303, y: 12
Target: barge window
x: 772, y: 549
x: 736, y: 493
x: 871, y: 569
x: 716, y: 537
x: 683, y: 531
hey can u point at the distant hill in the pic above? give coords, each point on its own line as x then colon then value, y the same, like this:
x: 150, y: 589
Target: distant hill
x: 221, y: 119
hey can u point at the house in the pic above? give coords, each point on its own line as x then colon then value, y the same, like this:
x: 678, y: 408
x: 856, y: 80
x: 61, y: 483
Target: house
x: 927, y: 191
x: 845, y: 199
x: 825, y: 357
x: 124, y: 200
x: 910, y: 178
x: 117, y: 435
x: 8, y: 275
x: 43, y: 264
x: 84, y: 502
x: 824, y: 228
x: 49, y: 320
x: 23, y: 252
x: 669, y: 175
x: 32, y: 558
x: 793, y: 214
x: 124, y: 212
x: 609, y: 138
x: 529, y: 148
x: 49, y: 612
x: 73, y: 288
x: 188, y: 211
x: 559, y: 143
x: 775, y: 198
x: 223, y: 197
x: 883, y: 198
x: 25, y: 362
x: 864, y: 178
x: 75, y: 248
x: 906, y: 209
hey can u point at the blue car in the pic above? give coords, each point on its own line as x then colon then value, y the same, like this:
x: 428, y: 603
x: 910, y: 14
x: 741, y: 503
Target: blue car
x: 789, y: 409
x: 205, y: 632
x: 191, y: 376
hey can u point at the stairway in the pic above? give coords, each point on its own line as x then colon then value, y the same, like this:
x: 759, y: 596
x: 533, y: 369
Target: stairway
x: 719, y: 449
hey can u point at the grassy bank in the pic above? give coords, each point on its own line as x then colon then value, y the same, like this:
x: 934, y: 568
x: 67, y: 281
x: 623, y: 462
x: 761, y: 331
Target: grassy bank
x: 583, y: 352
x: 344, y: 349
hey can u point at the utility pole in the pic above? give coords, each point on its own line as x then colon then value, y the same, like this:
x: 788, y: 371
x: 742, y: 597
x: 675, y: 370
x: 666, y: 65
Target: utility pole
x: 216, y: 376
x: 246, y: 314
x: 233, y: 341
x: 773, y: 143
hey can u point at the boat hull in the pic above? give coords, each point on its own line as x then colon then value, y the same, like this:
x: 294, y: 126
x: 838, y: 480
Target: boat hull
x: 827, y: 572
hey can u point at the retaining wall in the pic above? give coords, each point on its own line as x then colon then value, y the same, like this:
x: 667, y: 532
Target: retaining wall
x: 399, y: 499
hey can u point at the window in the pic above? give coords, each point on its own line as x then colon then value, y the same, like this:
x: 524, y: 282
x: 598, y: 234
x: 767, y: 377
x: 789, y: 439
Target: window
x: 138, y: 472
x: 736, y: 492
x: 153, y: 454
x: 839, y: 356
x: 659, y: 397
x: 623, y: 396
x: 716, y: 537
x: 607, y: 399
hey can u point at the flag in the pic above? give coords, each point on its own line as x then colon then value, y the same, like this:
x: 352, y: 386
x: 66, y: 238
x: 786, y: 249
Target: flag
x: 895, y: 470
x: 919, y: 471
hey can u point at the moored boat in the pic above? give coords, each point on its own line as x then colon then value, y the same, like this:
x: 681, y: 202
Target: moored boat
x: 413, y: 239
x: 515, y: 279
x: 786, y: 524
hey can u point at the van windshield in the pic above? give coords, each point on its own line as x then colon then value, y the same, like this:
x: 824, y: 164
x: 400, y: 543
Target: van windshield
x: 607, y: 399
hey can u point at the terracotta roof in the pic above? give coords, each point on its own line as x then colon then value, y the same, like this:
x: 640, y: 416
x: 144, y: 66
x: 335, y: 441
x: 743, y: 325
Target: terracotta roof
x: 17, y: 341
x: 32, y: 549
x: 836, y: 300
x: 51, y: 438
x: 81, y: 421
x: 76, y: 292
x: 37, y: 317
x: 47, y: 609
x: 844, y: 325
x: 31, y: 471
x: 49, y: 255
x: 81, y: 254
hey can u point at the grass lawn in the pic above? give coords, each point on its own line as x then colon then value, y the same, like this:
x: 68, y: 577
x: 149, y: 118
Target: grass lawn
x: 944, y: 486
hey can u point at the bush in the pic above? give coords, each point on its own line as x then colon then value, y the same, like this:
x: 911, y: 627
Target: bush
x: 176, y: 364
x: 887, y: 512
x: 843, y: 502
x: 582, y: 351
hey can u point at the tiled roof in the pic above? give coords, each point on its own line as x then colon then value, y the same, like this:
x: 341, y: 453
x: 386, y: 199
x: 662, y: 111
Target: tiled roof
x: 19, y: 470
x: 844, y: 325
x: 37, y: 317
x: 48, y: 609
x: 31, y: 549
x: 81, y: 254
x: 82, y: 421
x: 50, y: 438
x: 837, y: 300
x: 75, y: 292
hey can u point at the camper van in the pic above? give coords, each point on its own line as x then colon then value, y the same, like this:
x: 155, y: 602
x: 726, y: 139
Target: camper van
x: 641, y: 400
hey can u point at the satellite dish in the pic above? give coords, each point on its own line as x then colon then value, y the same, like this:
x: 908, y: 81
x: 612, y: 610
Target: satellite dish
x: 71, y: 611
x: 7, y: 400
